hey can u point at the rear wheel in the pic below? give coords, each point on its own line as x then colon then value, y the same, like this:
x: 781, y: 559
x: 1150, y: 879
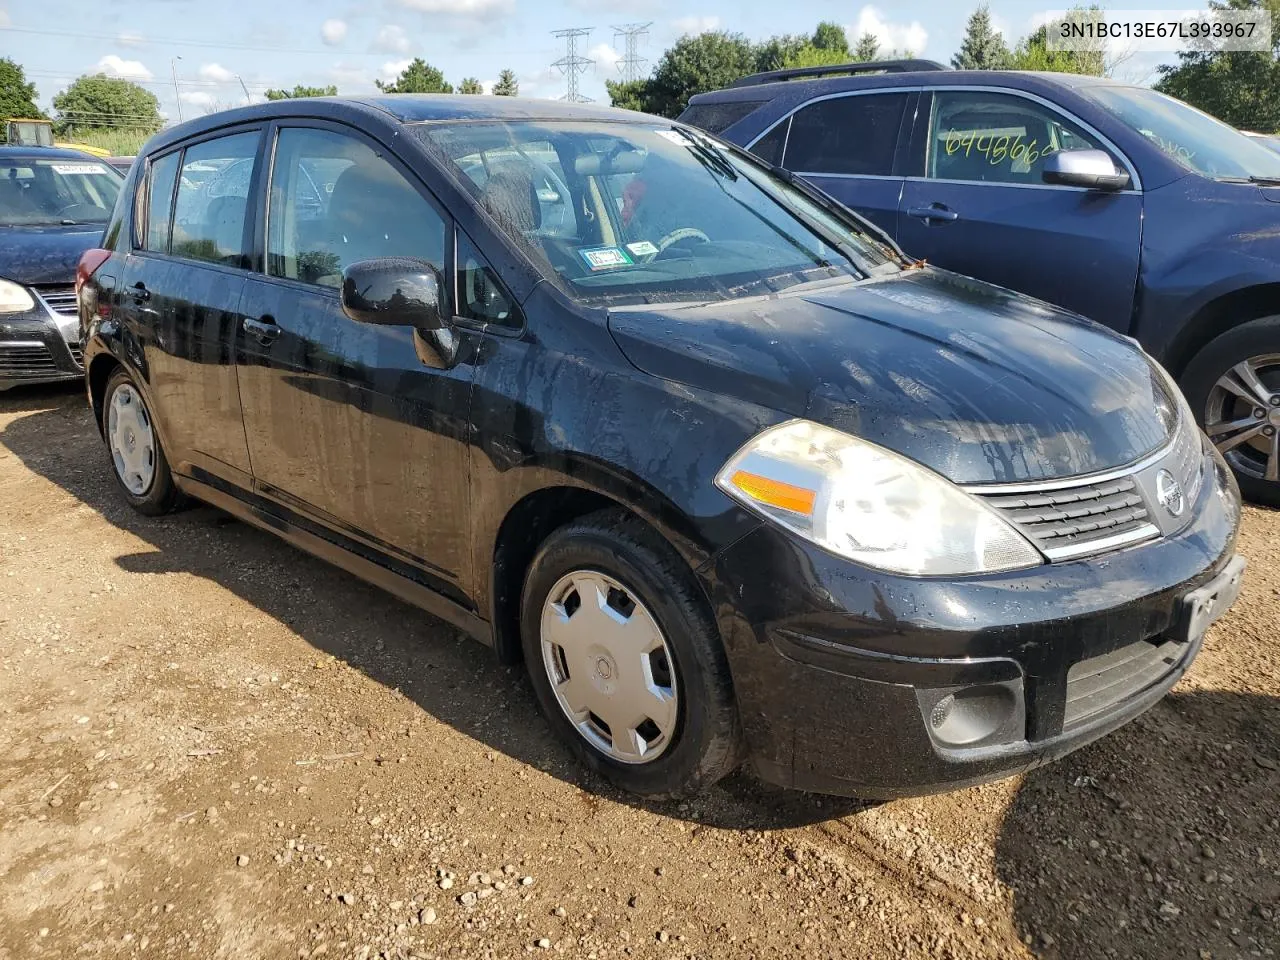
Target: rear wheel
x: 1233, y: 385
x: 626, y: 660
x: 136, y: 455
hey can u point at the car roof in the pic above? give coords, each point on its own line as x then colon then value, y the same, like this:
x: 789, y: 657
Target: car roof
x: 800, y: 90
x: 11, y: 152
x: 420, y: 108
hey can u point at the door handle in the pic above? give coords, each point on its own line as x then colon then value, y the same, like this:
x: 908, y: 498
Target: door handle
x: 934, y: 211
x: 264, y: 329
x: 140, y: 293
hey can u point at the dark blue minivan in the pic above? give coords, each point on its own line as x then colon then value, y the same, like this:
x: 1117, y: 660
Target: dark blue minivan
x: 1124, y: 205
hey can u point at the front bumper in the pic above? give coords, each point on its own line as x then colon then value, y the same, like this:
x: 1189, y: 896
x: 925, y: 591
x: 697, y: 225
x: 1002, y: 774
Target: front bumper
x: 843, y: 674
x: 39, y: 346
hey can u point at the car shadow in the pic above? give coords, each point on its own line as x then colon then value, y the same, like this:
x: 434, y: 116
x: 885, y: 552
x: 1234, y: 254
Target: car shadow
x: 448, y: 675
x: 1160, y: 840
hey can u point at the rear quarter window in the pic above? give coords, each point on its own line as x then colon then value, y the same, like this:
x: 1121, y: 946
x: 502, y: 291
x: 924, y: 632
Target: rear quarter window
x: 718, y: 117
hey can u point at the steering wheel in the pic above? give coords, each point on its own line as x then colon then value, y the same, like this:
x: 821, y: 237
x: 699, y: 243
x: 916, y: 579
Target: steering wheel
x: 684, y: 233
x: 71, y: 210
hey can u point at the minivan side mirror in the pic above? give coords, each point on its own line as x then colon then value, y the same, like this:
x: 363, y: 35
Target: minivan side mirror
x: 1093, y: 169
x: 393, y: 291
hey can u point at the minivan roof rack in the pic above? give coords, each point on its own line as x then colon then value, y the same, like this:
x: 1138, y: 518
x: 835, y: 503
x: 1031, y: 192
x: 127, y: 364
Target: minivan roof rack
x: 839, y: 69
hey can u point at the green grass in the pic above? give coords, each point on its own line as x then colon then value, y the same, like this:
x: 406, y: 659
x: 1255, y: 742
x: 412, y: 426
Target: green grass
x: 120, y: 142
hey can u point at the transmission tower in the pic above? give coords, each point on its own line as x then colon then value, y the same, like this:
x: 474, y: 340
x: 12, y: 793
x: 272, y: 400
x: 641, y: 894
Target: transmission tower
x: 572, y: 65
x: 631, y: 62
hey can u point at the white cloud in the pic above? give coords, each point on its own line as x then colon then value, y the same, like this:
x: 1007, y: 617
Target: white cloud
x: 200, y: 99
x: 333, y: 31
x: 130, y: 38
x: 461, y: 9
x: 695, y: 25
x: 393, y: 68
x: 392, y: 39
x: 901, y: 37
x: 4, y: 18
x: 114, y: 66
x: 350, y: 78
x: 215, y: 71
x: 606, y: 60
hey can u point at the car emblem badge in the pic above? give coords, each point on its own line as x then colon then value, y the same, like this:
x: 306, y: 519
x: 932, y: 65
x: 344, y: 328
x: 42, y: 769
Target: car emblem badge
x: 1169, y: 493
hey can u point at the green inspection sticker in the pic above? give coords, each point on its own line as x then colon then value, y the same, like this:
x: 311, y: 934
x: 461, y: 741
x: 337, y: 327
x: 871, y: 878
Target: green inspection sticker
x: 604, y: 258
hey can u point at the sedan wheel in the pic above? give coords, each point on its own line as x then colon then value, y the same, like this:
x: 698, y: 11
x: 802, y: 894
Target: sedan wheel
x: 609, y: 666
x: 131, y: 440
x: 1242, y: 417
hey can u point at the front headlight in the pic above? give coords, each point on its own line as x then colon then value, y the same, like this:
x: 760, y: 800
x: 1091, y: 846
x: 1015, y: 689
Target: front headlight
x: 14, y: 298
x: 869, y: 504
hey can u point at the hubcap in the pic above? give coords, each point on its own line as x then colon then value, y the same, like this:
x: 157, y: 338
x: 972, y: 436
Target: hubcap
x: 1242, y: 416
x: 610, y: 666
x: 132, y: 443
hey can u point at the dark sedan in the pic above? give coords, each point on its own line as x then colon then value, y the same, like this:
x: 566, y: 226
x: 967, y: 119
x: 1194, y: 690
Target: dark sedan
x: 732, y: 476
x: 53, y: 206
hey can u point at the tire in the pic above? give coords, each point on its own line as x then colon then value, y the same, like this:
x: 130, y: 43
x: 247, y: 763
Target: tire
x: 704, y: 739
x: 151, y: 493
x: 1248, y: 459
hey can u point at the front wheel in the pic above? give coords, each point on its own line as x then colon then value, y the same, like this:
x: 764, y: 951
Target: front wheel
x: 625, y: 659
x: 1233, y: 385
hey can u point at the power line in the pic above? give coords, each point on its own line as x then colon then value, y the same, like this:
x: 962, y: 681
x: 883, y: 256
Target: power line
x: 631, y: 62
x: 573, y: 65
x: 210, y: 44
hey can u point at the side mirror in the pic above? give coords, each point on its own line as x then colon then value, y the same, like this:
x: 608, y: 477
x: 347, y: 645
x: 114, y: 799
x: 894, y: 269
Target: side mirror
x: 393, y: 291
x: 1093, y: 169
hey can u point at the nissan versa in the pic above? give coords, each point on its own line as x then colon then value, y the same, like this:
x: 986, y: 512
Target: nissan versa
x: 732, y: 476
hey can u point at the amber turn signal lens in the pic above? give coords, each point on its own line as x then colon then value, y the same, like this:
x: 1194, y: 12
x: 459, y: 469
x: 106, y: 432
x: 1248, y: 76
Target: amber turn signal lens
x: 775, y: 493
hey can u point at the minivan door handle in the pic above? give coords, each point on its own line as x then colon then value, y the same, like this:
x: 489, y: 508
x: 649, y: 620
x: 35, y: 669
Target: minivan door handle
x: 935, y: 211
x: 263, y: 329
x: 140, y: 293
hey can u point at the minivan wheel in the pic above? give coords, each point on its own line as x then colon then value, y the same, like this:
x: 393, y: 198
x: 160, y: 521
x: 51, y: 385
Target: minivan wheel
x: 1233, y: 385
x: 626, y: 660
x: 134, y: 445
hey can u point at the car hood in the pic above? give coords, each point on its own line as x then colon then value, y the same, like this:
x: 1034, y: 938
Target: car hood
x: 980, y: 383
x: 45, y: 254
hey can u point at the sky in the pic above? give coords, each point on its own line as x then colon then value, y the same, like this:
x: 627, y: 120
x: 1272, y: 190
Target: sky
x: 213, y: 46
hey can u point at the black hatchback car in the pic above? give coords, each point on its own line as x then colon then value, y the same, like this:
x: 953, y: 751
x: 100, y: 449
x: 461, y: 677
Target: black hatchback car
x: 733, y: 477
x: 53, y: 206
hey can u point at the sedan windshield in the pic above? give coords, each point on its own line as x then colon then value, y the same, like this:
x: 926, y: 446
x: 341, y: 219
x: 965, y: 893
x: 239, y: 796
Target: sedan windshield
x: 1196, y: 140
x: 56, y: 191
x: 647, y: 212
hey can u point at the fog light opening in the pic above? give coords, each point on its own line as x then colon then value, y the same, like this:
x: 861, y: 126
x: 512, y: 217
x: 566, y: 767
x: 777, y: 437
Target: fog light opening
x: 971, y: 715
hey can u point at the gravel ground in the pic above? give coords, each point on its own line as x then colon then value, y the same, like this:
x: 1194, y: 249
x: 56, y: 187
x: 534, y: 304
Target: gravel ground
x: 215, y: 746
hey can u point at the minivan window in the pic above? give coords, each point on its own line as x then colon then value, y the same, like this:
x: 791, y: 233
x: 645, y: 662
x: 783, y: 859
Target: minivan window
x: 664, y: 213
x: 56, y: 191
x: 996, y: 137
x: 213, y: 199
x: 1196, y: 140
x: 160, y: 202
x: 482, y: 297
x: 849, y: 135
x: 334, y: 201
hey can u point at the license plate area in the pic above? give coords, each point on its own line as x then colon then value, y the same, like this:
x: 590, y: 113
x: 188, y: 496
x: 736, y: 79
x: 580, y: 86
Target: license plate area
x: 1204, y: 605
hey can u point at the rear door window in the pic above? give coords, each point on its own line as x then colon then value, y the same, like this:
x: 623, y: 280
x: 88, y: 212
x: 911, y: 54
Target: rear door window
x: 160, y: 202
x: 854, y: 135
x: 213, y: 199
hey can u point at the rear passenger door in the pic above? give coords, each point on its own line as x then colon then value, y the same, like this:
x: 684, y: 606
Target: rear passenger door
x: 848, y: 145
x: 362, y: 428
x: 181, y: 290
x: 982, y: 208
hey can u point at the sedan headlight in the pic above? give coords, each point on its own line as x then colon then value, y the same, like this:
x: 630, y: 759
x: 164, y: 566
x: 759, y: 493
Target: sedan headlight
x: 14, y: 298
x: 869, y: 504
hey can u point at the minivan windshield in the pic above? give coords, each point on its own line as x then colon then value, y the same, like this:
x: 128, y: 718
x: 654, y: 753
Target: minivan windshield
x: 1196, y: 140
x: 36, y: 191
x: 647, y: 212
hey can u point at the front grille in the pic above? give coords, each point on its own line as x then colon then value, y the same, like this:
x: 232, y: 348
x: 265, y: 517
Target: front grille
x: 61, y: 300
x: 1099, y: 683
x: 1074, y: 521
x: 25, y: 359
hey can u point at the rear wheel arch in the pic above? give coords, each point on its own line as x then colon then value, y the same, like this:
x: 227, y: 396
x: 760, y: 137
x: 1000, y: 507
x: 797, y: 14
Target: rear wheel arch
x: 100, y: 371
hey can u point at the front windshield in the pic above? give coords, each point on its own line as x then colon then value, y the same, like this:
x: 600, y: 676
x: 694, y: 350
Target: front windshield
x: 1196, y: 140
x: 646, y: 212
x: 56, y: 191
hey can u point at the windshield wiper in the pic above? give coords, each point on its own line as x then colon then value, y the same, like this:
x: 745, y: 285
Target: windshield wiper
x: 1266, y: 181
x: 709, y: 153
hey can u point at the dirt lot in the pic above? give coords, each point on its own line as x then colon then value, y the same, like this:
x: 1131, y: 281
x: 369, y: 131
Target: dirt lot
x: 212, y: 745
